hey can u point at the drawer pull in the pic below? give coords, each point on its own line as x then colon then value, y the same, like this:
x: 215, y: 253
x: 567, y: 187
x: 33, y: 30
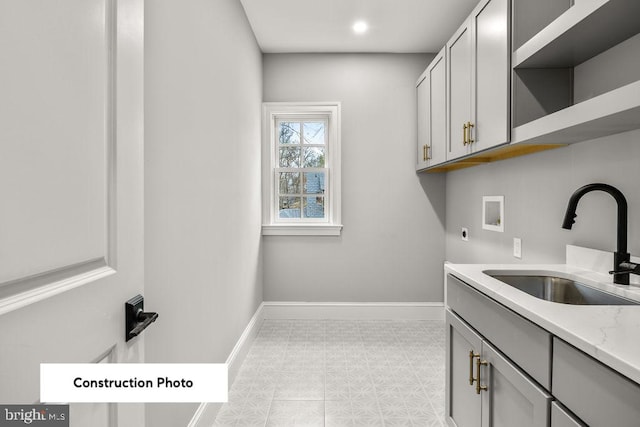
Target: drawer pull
x: 480, y: 363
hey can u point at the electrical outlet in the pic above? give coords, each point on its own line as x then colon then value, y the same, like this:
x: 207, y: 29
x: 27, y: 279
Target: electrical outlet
x: 517, y: 247
x: 465, y: 234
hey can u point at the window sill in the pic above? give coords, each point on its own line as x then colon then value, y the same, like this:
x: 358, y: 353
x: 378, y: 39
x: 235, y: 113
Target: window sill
x: 301, y: 229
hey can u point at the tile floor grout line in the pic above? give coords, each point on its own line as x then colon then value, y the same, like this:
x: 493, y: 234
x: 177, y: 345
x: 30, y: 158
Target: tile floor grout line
x: 384, y: 346
x: 376, y: 395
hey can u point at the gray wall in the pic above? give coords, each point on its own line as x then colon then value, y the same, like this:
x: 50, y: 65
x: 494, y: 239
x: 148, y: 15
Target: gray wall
x: 392, y: 244
x: 536, y: 189
x: 203, y: 84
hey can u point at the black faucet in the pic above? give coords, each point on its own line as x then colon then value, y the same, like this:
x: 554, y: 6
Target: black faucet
x: 621, y: 258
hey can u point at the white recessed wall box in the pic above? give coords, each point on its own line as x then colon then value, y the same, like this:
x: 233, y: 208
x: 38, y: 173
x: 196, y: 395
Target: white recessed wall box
x: 493, y: 213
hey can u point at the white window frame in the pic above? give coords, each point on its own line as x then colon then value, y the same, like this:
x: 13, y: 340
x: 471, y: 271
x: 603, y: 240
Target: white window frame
x: 272, y: 112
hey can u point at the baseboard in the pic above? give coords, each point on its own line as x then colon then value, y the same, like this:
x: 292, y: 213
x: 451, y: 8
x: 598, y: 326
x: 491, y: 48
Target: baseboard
x: 240, y: 350
x: 354, y: 310
x: 206, y: 413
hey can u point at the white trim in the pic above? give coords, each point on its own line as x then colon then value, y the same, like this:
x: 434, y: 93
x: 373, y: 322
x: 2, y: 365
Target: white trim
x: 270, y: 112
x: 240, y: 350
x: 35, y: 292
x: 354, y: 310
x: 206, y: 413
x: 301, y: 229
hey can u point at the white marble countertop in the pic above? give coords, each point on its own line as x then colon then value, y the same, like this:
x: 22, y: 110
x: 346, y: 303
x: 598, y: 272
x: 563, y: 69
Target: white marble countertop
x: 610, y: 334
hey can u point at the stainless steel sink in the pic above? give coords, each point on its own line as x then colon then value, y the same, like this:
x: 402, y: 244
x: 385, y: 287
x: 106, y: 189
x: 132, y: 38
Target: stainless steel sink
x: 557, y: 289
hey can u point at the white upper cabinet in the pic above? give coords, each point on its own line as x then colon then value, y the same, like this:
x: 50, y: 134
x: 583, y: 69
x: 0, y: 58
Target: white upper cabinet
x: 422, y: 92
x: 432, y: 120
x: 459, y: 72
x: 478, y: 73
x: 490, y: 83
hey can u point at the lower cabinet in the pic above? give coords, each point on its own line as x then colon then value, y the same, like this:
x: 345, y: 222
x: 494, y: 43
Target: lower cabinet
x: 462, y: 403
x: 592, y: 391
x: 484, y: 388
x: 504, y: 371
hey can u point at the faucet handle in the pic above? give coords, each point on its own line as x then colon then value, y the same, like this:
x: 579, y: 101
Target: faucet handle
x: 626, y: 268
x: 615, y: 272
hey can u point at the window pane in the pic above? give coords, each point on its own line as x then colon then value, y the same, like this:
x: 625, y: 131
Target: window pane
x: 314, y: 207
x: 289, y: 133
x: 289, y: 207
x: 314, y: 132
x: 313, y: 157
x: 289, y: 157
x: 289, y: 183
x: 314, y: 182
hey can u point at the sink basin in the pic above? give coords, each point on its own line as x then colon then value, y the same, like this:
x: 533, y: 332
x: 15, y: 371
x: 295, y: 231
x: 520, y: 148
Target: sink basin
x: 560, y: 290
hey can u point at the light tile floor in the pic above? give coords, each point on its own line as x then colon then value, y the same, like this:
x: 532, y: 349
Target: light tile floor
x: 334, y: 373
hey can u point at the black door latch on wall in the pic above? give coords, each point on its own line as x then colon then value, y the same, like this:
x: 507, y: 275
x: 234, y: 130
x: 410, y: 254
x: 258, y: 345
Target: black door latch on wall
x: 136, y: 320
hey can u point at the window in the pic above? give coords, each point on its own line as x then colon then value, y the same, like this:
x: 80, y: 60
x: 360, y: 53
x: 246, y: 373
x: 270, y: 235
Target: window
x: 301, y: 169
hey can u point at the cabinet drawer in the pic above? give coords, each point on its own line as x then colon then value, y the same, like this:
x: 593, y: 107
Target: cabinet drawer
x: 528, y: 345
x: 561, y: 418
x: 598, y: 395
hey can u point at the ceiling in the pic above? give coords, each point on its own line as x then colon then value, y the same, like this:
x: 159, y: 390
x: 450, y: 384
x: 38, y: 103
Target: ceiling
x: 401, y: 26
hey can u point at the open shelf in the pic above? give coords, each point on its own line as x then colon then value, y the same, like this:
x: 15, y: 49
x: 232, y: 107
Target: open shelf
x: 575, y: 79
x: 610, y: 113
x: 613, y: 112
x: 585, y: 30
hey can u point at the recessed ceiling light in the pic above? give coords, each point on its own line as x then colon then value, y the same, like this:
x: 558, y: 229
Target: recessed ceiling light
x: 360, y: 27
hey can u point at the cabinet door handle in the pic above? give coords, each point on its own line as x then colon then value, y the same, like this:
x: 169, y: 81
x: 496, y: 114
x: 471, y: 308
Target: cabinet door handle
x: 426, y: 152
x: 464, y: 134
x: 472, y: 356
x: 469, y: 126
x: 480, y: 363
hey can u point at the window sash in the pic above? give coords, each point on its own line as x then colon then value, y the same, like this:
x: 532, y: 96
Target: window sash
x: 277, y: 145
x: 301, y: 120
x: 301, y: 194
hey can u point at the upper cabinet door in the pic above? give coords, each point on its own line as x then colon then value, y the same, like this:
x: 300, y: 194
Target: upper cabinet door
x: 491, y: 70
x: 478, y: 55
x: 437, y: 75
x: 422, y: 92
x: 459, y: 72
x: 432, y: 115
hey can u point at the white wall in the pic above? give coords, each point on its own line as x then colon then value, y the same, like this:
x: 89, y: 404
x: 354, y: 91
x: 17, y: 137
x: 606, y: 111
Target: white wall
x: 392, y: 244
x: 536, y: 189
x: 203, y: 84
